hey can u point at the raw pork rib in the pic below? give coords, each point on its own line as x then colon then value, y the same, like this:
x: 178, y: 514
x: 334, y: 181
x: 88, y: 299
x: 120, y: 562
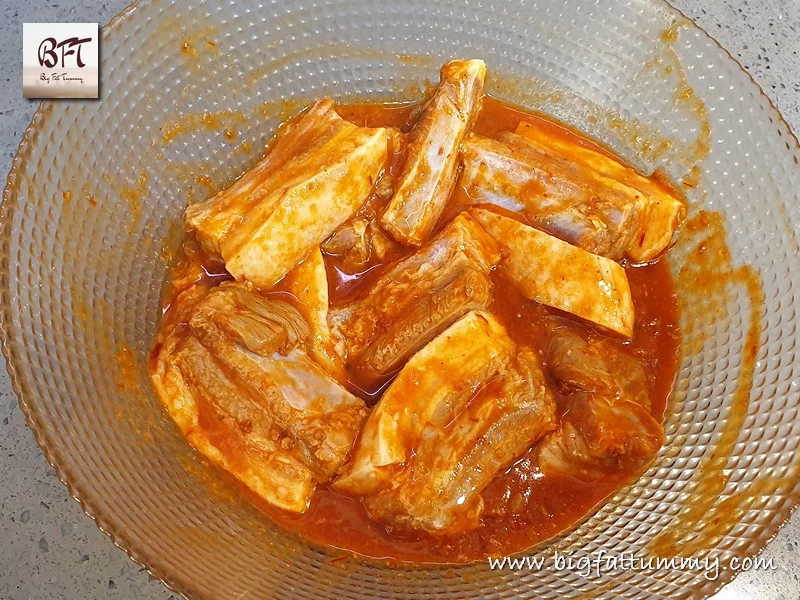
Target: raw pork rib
x: 462, y: 409
x: 430, y: 171
x: 318, y: 174
x: 238, y: 382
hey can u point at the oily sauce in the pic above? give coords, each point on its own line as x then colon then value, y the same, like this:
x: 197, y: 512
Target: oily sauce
x: 549, y: 503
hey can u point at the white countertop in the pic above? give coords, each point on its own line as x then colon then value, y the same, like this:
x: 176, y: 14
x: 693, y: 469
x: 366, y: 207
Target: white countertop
x: 50, y: 550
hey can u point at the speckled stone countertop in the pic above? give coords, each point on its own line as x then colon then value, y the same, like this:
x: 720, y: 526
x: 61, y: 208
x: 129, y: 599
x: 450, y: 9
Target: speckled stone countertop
x: 50, y: 550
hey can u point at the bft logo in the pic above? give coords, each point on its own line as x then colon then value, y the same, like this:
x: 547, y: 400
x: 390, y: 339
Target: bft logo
x: 60, y: 60
x: 48, y: 57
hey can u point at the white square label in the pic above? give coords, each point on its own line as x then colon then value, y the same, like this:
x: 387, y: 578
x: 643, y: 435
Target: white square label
x: 60, y: 60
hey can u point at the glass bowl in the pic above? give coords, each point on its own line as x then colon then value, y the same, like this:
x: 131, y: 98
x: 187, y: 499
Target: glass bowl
x: 191, y: 93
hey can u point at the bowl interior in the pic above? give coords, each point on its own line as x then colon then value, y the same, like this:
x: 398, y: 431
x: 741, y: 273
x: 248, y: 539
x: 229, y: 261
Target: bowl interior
x: 91, y: 220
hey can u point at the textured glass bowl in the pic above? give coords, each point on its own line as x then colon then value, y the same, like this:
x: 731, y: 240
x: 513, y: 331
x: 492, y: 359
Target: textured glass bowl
x: 90, y: 219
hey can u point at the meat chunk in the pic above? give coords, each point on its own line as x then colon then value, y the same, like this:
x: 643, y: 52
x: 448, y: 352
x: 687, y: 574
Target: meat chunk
x: 440, y: 489
x: 553, y: 272
x: 318, y: 174
x: 417, y: 298
x: 429, y: 174
x: 440, y: 379
x: 549, y: 194
x: 213, y: 219
x: 468, y: 289
x: 308, y: 282
x: 231, y: 428
x: 241, y: 387
x: 358, y: 242
x: 592, y: 364
x: 662, y: 211
x: 601, y: 438
x: 351, y: 243
x: 572, y: 192
x: 607, y: 431
x: 462, y: 410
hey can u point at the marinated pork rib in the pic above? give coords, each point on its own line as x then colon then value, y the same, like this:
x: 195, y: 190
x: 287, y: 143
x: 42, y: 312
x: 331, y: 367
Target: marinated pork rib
x: 417, y: 298
x: 315, y: 178
x: 553, y: 272
x: 357, y: 242
x: 607, y: 430
x: 308, y: 283
x: 662, y: 211
x: 440, y: 379
x: 460, y: 411
x: 571, y: 192
x: 550, y: 194
x: 242, y: 389
x: 593, y: 365
x: 429, y: 174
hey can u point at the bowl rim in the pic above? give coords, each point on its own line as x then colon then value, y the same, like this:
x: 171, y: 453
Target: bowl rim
x: 11, y: 336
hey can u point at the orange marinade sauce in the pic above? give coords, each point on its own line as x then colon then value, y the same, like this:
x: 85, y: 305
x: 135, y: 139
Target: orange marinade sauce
x: 553, y: 503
